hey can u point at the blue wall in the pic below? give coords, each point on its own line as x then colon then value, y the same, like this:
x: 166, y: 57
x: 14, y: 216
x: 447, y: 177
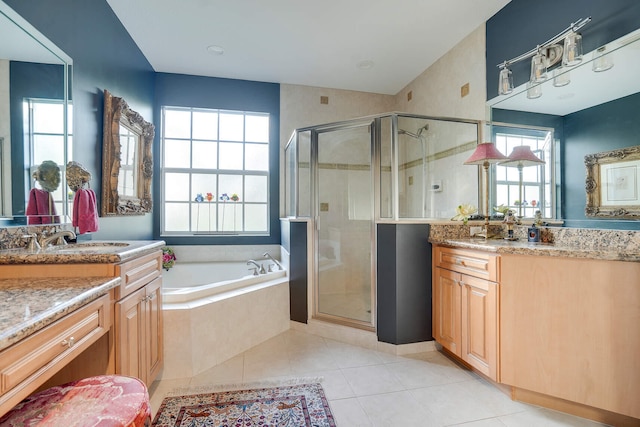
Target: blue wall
x: 613, y: 125
x: 178, y: 90
x: 104, y: 57
x: 523, y: 24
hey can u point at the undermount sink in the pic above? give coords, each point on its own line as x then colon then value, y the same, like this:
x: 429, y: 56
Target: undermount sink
x: 88, y: 247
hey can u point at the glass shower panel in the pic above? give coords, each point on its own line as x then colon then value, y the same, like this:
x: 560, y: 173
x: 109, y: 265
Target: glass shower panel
x: 412, y: 167
x: 345, y: 206
x: 432, y: 176
x: 290, y: 174
x: 386, y: 158
x: 304, y: 174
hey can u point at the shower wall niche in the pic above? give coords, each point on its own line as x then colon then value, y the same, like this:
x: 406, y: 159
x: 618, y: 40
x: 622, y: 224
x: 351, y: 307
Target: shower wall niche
x: 348, y: 177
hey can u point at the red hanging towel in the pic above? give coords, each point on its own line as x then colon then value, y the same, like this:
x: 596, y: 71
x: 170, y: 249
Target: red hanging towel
x: 85, y: 214
x: 40, y: 208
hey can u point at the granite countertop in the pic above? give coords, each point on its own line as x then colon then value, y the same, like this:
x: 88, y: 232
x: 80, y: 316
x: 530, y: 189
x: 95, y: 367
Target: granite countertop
x: 30, y: 304
x: 589, y: 250
x: 89, y: 252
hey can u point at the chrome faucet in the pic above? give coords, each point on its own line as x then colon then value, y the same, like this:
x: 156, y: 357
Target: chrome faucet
x: 56, y: 238
x: 259, y: 267
x: 268, y: 255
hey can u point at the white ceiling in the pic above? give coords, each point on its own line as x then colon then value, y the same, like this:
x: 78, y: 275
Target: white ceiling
x: 312, y: 43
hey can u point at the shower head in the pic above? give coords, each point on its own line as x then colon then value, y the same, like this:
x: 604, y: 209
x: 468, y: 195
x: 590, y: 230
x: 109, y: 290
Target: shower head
x: 423, y: 129
x: 414, y: 135
x: 406, y: 132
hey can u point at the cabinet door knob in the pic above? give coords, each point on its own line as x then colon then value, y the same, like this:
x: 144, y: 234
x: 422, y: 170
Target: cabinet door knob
x: 68, y: 343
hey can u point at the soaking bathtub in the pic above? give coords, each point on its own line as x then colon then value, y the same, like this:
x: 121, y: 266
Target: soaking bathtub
x: 213, y: 311
x: 189, y: 281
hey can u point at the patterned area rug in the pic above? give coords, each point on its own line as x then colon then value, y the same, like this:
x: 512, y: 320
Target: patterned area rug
x: 289, y: 406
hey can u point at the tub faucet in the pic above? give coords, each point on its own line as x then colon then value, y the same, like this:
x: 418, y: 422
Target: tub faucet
x: 268, y: 255
x: 57, y: 238
x: 258, y: 267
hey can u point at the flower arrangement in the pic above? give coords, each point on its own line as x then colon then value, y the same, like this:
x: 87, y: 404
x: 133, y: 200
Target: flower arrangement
x: 168, y: 258
x: 463, y: 212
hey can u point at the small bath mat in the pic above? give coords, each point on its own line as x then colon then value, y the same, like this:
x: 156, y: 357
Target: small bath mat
x: 295, y: 405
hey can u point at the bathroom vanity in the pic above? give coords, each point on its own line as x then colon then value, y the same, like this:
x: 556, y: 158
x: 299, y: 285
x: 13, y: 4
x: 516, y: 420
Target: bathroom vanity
x: 555, y: 324
x: 78, y: 310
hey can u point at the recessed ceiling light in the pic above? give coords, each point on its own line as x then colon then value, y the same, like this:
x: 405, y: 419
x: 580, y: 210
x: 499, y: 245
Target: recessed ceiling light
x: 215, y: 49
x: 367, y: 64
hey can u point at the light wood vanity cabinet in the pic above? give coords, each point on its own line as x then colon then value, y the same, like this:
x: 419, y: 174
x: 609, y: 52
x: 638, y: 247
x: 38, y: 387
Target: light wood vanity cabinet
x: 570, y: 330
x: 138, y: 318
x: 25, y: 366
x: 465, y: 306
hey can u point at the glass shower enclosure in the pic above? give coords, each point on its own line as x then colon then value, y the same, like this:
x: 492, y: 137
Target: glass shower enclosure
x: 346, y: 177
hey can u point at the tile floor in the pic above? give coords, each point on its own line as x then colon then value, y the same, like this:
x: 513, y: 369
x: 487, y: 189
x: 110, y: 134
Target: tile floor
x: 371, y: 388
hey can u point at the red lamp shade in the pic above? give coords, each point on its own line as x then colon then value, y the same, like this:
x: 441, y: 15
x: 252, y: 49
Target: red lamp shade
x: 522, y: 156
x: 485, y: 153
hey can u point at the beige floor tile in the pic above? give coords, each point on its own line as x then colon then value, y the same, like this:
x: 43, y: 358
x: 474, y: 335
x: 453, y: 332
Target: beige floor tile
x: 311, y: 360
x: 349, y: 356
x: 490, y: 422
x: 334, y: 384
x: 397, y: 409
x: 371, y: 388
x: 452, y: 403
x: 229, y: 372
x: 418, y: 373
x: 349, y: 413
x: 367, y: 380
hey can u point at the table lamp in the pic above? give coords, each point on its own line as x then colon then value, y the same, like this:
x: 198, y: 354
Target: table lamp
x: 486, y: 154
x: 520, y: 157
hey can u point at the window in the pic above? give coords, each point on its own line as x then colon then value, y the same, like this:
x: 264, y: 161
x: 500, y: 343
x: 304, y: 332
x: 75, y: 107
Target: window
x: 537, y: 189
x: 45, y: 127
x: 215, y: 172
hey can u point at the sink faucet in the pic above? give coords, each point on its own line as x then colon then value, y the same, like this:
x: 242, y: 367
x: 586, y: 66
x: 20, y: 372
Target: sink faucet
x: 57, y: 238
x: 259, y: 267
x: 268, y: 255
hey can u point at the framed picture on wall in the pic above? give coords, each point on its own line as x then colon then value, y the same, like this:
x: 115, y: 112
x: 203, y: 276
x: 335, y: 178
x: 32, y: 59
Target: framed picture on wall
x: 613, y: 183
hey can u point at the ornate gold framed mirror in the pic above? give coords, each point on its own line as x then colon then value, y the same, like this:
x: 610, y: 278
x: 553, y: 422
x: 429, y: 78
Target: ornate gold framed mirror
x: 613, y: 184
x: 127, y: 164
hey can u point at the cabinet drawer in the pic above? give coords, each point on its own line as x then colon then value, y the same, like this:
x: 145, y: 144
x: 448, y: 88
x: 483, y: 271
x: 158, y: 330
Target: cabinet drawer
x: 45, y: 352
x: 473, y: 263
x: 137, y: 273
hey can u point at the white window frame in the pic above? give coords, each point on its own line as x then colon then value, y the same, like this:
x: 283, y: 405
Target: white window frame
x: 216, y: 203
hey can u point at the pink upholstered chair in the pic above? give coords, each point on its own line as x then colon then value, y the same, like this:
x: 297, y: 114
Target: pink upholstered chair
x: 106, y: 400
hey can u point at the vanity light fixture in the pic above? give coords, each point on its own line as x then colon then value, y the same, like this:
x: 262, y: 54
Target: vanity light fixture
x: 485, y: 155
x: 602, y: 59
x: 566, y: 46
x: 520, y: 157
x: 505, y: 84
x: 538, y: 67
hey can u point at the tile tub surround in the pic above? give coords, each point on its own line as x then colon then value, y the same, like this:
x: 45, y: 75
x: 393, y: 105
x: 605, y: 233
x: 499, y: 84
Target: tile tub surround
x: 111, y: 254
x: 204, y: 333
x: 28, y: 305
x: 615, y: 245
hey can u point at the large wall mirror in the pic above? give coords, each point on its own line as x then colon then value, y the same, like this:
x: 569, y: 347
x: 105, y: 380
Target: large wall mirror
x: 127, y: 164
x: 35, y: 122
x: 589, y: 108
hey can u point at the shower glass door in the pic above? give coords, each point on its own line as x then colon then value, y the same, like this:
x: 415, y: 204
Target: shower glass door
x: 344, y: 218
